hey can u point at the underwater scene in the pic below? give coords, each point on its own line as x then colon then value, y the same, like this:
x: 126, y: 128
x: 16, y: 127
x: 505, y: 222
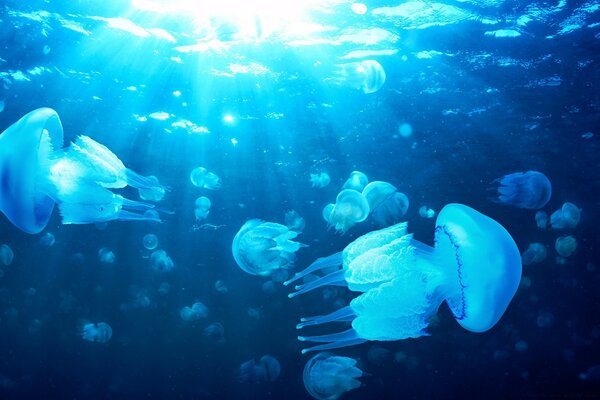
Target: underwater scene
x: 293, y: 200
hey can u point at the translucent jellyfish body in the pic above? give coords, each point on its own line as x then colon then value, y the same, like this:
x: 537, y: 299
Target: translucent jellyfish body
x: 565, y: 245
x: 6, y: 255
x: 215, y: 332
x: 197, y: 311
x: 425, y: 212
x: 531, y: 190
x: 47, y: 239
x: 267, y: 369
x: 535, y: 253
x: 294, y: 221
x: 152, y: 194
x: 327, y: 376
x: 541, y: 219
x: 320, y: 180
x: 387, y: 205
x: 203, y: 178
x: 202, y: 208
x: 474, y: 266
x: 567, y: 217
x: 356, y: 181
x: 161, y: 262
x: 262, y: 248
x: 38, y: 173
x: 368, y: 76
x: 100, y: 332
x: 106, y: 255
x: 350, y: 208
x: 150, y: 241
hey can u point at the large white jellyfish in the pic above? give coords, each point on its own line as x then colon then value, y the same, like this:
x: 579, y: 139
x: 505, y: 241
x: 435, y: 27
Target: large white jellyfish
x: 474, y: 266
x: 387, y: 205
x: 262, y: 248
x: 327, y: 376
x: 350, y: 208
x: 367, y: 75
x: 37, y: 173
x: 100, y: 332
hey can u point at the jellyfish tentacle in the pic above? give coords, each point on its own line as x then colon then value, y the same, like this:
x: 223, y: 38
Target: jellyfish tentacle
x: 335, y: 278
x: 140, y: 181
x: 344, y: 314
x: 336, y: 340
x: 334, y: 260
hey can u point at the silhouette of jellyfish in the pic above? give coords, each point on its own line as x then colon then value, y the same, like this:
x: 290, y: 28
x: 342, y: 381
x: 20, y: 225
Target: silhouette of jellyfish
x: 387, y: 205
x: 203, y: 178
x: 356, y: 181
x: 320, y: 180
x: 294, y: 221
x: 567, y: 217
x: 202, y: 209
x: 565, y: 245
x: 327, y: 376
x: 6, y: 255
x: 37, y: 173
x: 350, y: 208
x: 541, y: 219
x: 367, y: 75
x: 197, y: 311
x: 261, y: 248
x: 535, y: 253
x: 100, y: 332
x: 474, y: 266
x: 267, y: 369
x: 531, y: 190
x: 160, y: 261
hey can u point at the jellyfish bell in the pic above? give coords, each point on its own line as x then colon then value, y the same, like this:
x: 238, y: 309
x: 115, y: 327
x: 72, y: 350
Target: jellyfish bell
x: 377, y: 192
x: 357, y: 181
x: 350, y: 208
x: 368, y: 75
x: 531, y: 190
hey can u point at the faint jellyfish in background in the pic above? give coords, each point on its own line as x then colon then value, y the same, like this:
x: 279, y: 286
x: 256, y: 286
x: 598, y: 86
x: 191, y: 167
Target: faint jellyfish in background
x: 34, y: 326
x: 152, y: 216
x: 262, y: 248
x: 387, y: 205
x: 367, y: 75
x: 531, y: 190
x: 474, y: 266
x: 350, y: 208
x: 425, y: 212
x: 567, y: 217
x: 267, y: 369
x: 202, y: 208
x: 268, y: 287
x: 356, y: 181
x: 327, y: 376
x: 155, y: 193
x: 221, y: 287
x: 377, y: 355
x: 254, y: 313
x: 164, y: 288
x: 521, y: 346
x: 106, y: 256
x: 195, y: 312
x: 541, y: 219
x: 47, y: 239
x: 203, y: 178
x: 150, y: 241
x: 160, y: 261
x: 215, y: 332
x: 591, y: 374
x: 6, y: 255
x: 535, y: 253
x: 320, y: 180
x: 294, y: 221
x: 405, y: 130
x: 565, y: 245
x: 545, y: 320
x: 100, y: 332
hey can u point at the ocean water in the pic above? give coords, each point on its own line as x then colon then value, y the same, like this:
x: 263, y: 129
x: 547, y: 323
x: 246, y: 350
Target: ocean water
x: 256, y: 93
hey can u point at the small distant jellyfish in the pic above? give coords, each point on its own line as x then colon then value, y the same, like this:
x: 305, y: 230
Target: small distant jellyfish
x: 160, y: 261
x: 100, y: 332
x: 261, y: 248
x: 535, y: 253
x: 545, y: 320
x: 565, y: 245
x: 221, y: 287
x: 202, y: 209
x: 425, y: 212
x: 356, y: 181
x: 197, y: 311
x: 215, y: 332
x: 106, y: 256
x: 327, y: 376
x: 164, y: 288
x: 152, y: 216
x: 267, y: 369
x: 350, y: 208
x: 541, y: 219
x: 567, y: 217
x: 294, y: 221
x: 320, y: 180
x: 6, y: 255
x: 150, y: 241
x: 591, y: 374
x: 377, y: 355
x: 47, y: 239
x: 155, y: 193
x: 203, y: 178
x: 531, y: 190
x: 368, y: 76
x: 405, y: 130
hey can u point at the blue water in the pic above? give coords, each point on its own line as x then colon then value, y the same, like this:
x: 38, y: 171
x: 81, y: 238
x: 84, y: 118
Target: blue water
x: 489, y: 88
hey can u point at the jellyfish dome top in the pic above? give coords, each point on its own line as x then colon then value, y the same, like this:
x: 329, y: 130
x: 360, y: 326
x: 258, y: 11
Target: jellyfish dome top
x: 474, y: 266
x: 387, y: 205
x: 261, y: 248
x: 37, y: 173
x: 357, y: 181
x: 350, y: 208
x: 530, y: 189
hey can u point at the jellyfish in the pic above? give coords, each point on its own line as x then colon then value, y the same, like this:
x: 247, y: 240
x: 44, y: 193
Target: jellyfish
x: 356, y: 181
x: 294, y: 221
x: 106, y: 256
x: 195, y: 312
x: 565, y: 245
x: 150, y: 241
x: 37, y: 173
x: 6, y: 255
x: 327, y: 376
x: 567, y: 217
x: 367, y: 75
x: 203, y: 178
x: 202, y: 208
x: 100, y: 332
x: 262, y: 248
x: 320, y: 180
x: 531, y: 190
x: 267, y: 369
x: 47, y: 239
x: 215, y: 332
x: 350, y: 208
x: 541, y: 219
x: 155, y: 193
x: 160, y: 261
x: 474, y: 266
x: 425, y: 212
x: 221, y: 287
x: 387, y: 205
x: 535, y: 253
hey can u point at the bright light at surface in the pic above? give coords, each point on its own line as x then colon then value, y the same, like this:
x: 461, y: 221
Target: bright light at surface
x: 228, y: 118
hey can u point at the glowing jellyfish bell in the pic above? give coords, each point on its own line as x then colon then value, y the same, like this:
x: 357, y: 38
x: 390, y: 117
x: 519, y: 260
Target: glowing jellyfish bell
x: 474, y: 266
x: 530, y: 189
x: 350, y: 208
x: 327, y: 376
x: 368, y: 75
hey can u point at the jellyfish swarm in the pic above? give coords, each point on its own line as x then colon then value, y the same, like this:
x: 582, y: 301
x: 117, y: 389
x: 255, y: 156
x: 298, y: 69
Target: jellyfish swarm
x: 387, y: 205
x: 531, y: 190
x: 327, y: 377
x: 37, y: 173
x: 367, y: 75
x: 100, y: 332
x: 350, y: 208
x: 474, y: 266
x: 261, y: 248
